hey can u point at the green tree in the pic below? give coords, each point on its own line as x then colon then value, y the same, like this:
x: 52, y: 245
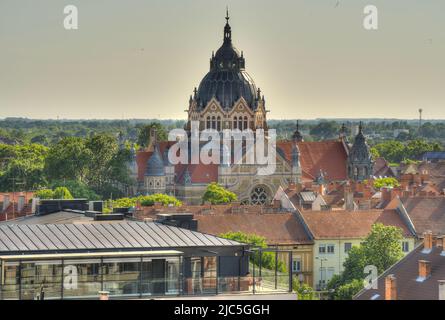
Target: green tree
x: 381, y: 248
x: 325, y: 129
x: 348, y: 290
x: 386, y: 182
x: 44, y: 194
x: 22, y: 166
x: 267, y: 258
x: 62, y: 193
x: 78, y: 189
x: 68, y: 159
x: 216, y: 194
x: 304, y: 291
x: 145, y: 133
x: 161, y: 198
x: 393, y: 151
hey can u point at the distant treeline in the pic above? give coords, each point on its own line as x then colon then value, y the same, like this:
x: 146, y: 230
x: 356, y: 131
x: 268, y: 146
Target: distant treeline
x: 47, y: 132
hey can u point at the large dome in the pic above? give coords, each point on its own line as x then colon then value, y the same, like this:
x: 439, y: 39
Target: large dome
x: 227, y: 79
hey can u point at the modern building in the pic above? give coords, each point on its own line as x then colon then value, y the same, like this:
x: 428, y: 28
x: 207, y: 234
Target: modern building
x: 126, y: 259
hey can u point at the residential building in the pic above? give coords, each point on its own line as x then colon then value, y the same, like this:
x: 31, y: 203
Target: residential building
x: 335, y: 232
x: 420, y: 275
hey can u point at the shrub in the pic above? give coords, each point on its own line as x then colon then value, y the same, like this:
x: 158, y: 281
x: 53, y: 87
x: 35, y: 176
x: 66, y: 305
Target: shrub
x: 62, y: 193
x: 44, y: 194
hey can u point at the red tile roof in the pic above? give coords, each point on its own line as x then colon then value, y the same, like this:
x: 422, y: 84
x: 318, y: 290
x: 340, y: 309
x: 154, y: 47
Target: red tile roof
x: 330, y: 156
x: 277, y: 228
x: 426, y: 213
x: 350, y: 224
x: 382, y: 168
x: 406, y: 272
x: 199, y: 173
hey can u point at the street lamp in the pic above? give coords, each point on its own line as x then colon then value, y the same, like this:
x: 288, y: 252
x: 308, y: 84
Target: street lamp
x: 321, y: 269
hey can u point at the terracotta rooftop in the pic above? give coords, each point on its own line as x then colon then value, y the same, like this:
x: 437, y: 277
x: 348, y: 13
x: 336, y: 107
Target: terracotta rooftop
x: 426, y: 213
x: 329, y: 156
x: 277, y: 228
x: 350, y: 224
x: 406, y: 272
x: 382, y: 168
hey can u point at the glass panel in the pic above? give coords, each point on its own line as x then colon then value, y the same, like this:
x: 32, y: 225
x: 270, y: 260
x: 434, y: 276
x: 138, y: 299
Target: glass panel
x: 173, y: 266
x: 209, y: 275
x: 121, y: 278
x: 41, y: 278
x: 82, y: 278
x: 10, y: 281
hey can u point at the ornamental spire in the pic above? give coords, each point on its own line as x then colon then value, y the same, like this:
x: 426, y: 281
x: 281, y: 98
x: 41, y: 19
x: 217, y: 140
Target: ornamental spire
x: 227, y: 28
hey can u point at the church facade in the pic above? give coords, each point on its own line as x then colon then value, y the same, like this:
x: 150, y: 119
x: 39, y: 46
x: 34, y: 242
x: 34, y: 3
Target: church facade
x: 227, y: 98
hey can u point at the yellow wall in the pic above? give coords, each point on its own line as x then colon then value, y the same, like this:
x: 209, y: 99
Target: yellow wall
x: 333, y: 262
x: 305, y: 254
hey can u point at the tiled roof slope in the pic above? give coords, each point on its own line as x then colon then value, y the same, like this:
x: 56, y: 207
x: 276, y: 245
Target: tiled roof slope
x: 406, y: 272
x: 329, y: 156
x: 426, y: 213
x: 350, y: 224
x: 277, y: 228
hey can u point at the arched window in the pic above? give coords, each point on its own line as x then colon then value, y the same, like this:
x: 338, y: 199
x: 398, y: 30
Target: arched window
x: 259, y: 196
x: 218, y: 123
x: 213, y: 122
x: 240, y: 123
x: 208, y: 122
x: 245, y: 123
x: 234, y: 123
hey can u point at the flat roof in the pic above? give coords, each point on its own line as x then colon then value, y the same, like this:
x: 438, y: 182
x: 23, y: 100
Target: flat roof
x: 93, y: 254
x: 41, y: 238
x: 56, y: 217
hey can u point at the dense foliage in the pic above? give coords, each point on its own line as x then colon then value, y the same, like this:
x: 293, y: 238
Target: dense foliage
x: 147, y: 201
x: 381, y: 248
x: 216, y: 194
x: 396, y: 151
x: 93, y: 167
x: 265, y: 259
x: 304, y: 291
x: 386, y: 182
x: 62, y: 193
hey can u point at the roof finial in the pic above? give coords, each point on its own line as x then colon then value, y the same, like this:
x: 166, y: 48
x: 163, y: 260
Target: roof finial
x: 227, y: 29
x: 360, y: 127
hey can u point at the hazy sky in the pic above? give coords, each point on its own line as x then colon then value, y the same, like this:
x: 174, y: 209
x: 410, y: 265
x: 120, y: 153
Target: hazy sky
x: 142, y: 58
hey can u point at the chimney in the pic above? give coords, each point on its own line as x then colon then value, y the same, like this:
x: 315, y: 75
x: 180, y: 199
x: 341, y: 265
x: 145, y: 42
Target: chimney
x: 5, y: 202
x: 424, y: 270
x: 390, y: 287
x: 441, y: 289
x: 386, y: 194
x: 427, y: 242
x: 21, y: 203
x: 349, y: 200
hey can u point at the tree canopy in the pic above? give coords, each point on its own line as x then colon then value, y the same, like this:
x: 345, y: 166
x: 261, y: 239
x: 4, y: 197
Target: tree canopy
x: 381, y: 248
x: 216, y: 194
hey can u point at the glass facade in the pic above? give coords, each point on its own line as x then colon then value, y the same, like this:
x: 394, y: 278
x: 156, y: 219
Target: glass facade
x: 82, y: 278
x: 139, y: 275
